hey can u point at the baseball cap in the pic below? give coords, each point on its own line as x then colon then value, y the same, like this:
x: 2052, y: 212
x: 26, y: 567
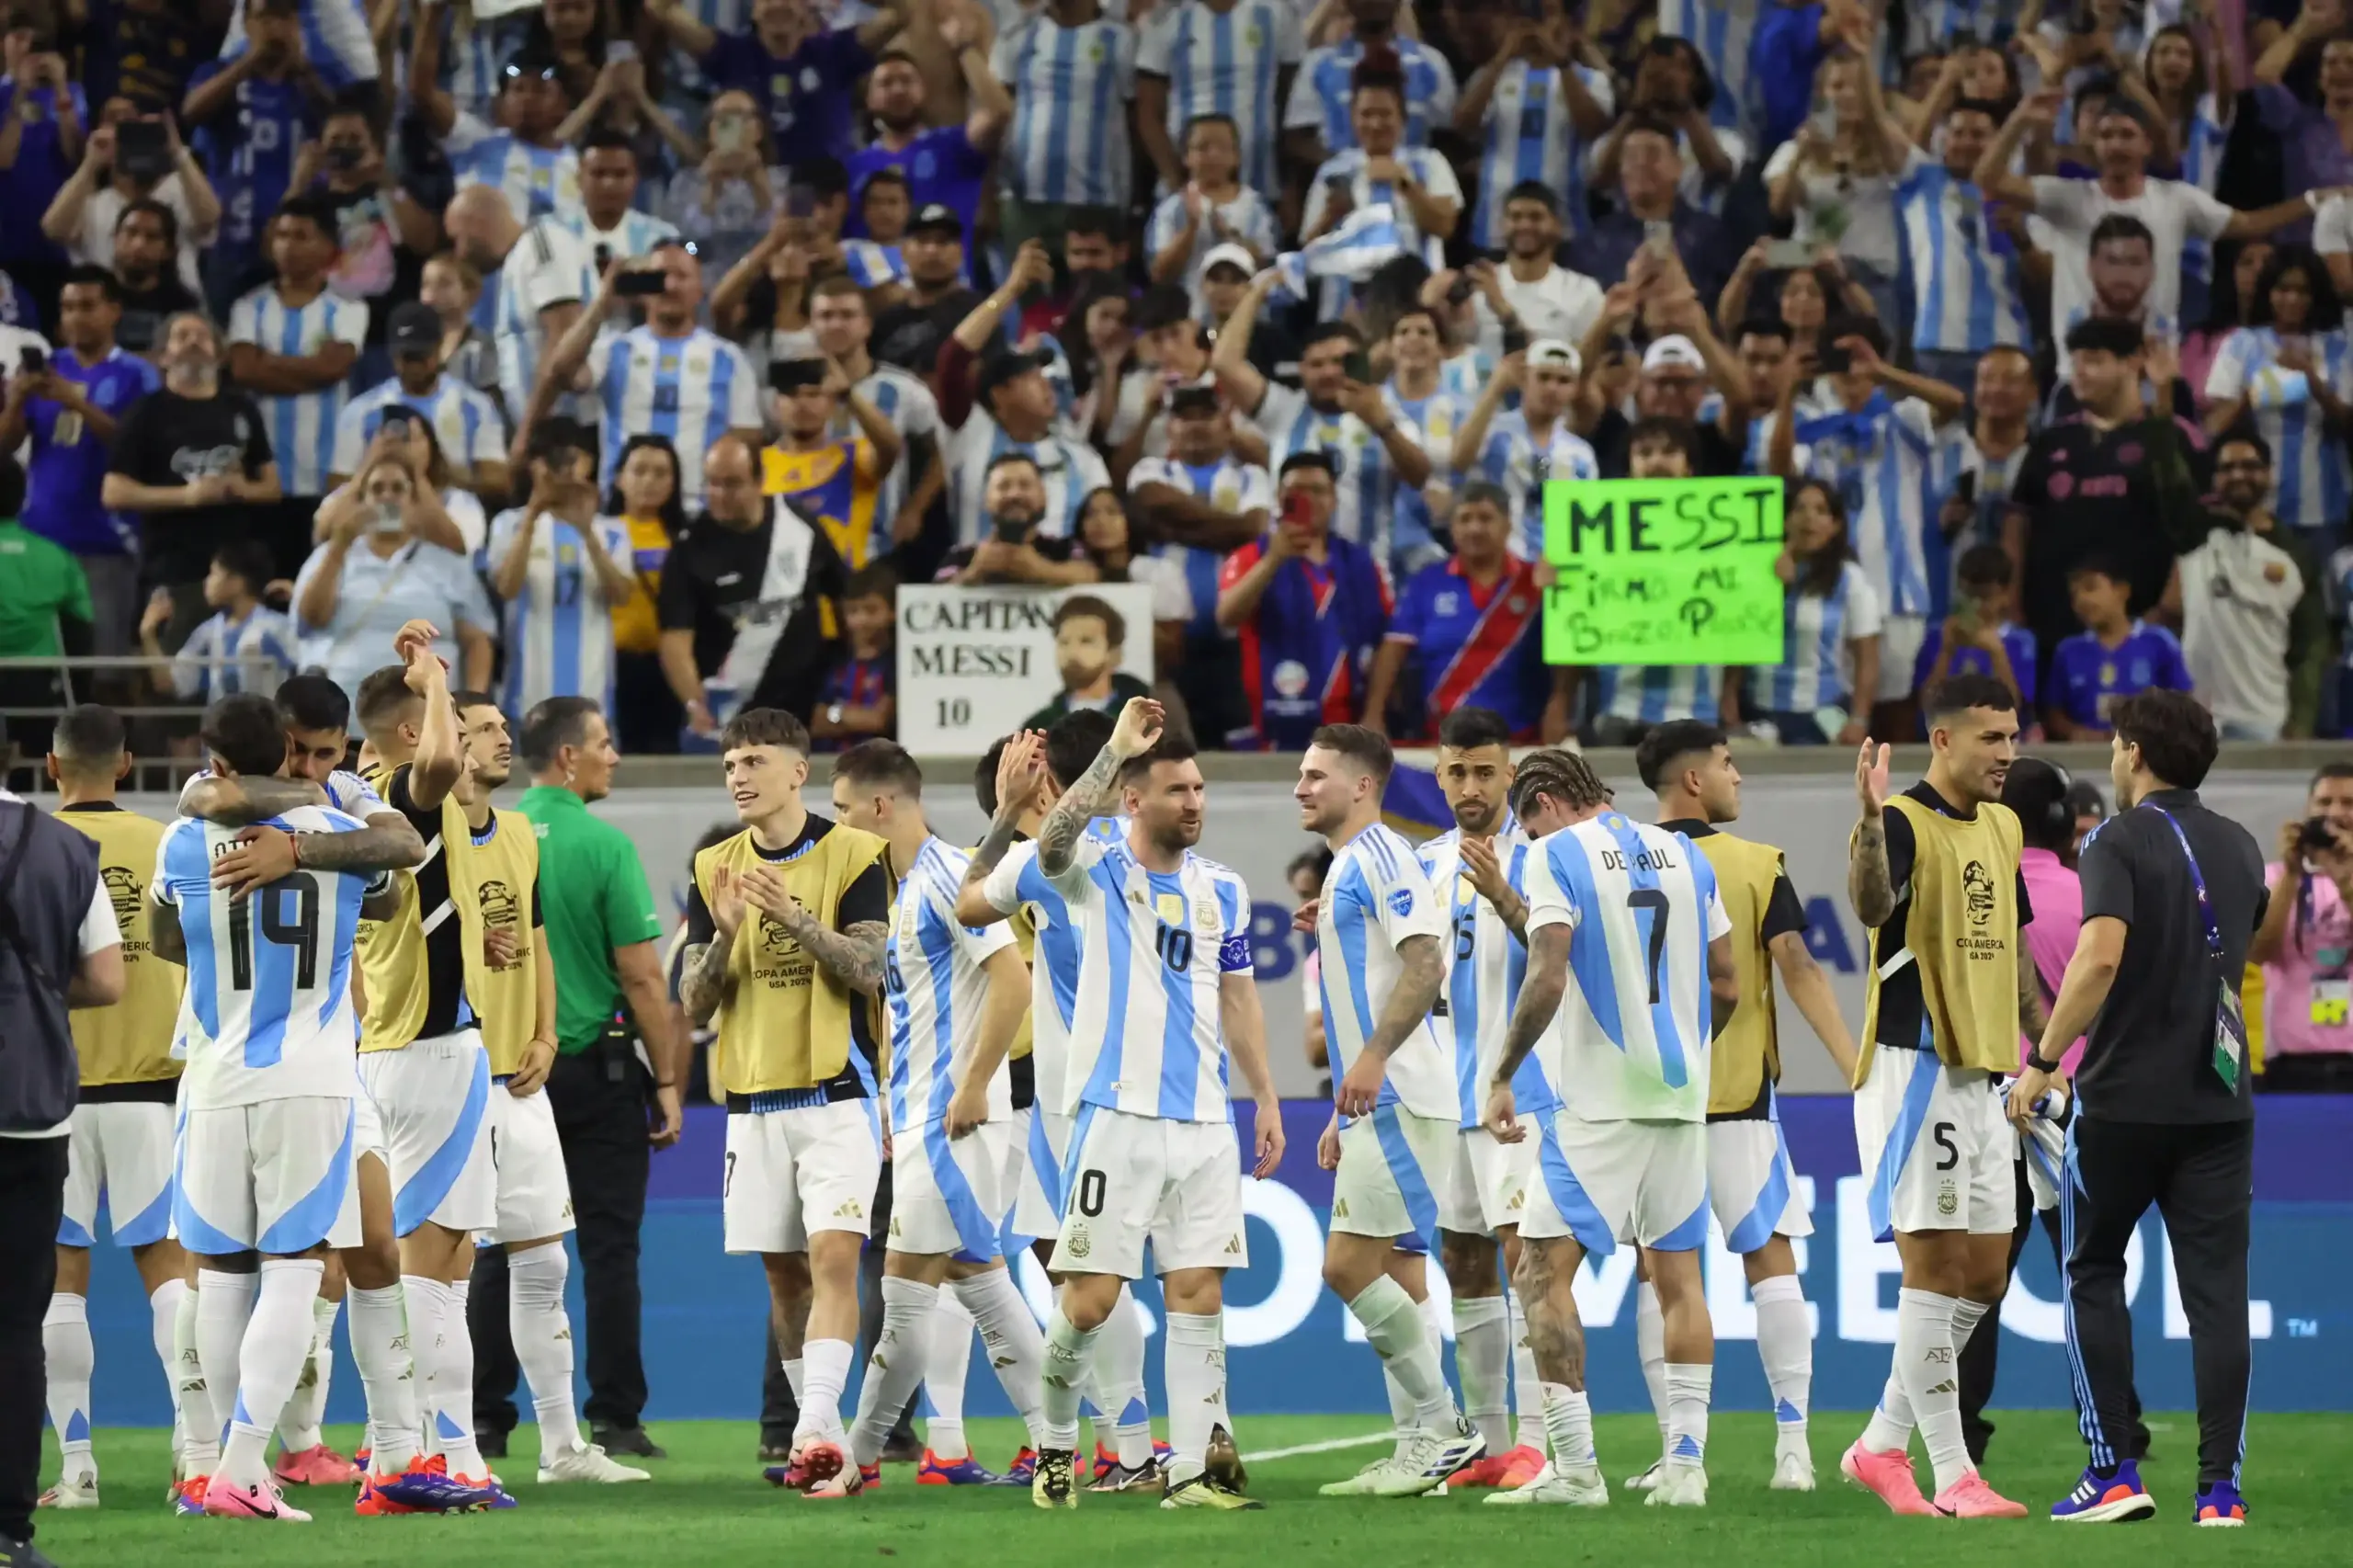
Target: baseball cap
x: 1551, y: 354
x: 937, y: 215
x: 999, y: 369
x: 414, y: 329
x: 1230, y: 254
x: 1674, y: 352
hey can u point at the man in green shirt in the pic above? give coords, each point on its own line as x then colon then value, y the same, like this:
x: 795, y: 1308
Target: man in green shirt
x: 44, y: 611
x: 612, y: 1112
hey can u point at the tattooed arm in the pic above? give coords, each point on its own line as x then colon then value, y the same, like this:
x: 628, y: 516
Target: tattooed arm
x: 389, y: 843
x: 1137, y: 732
x: 242, y: 800
x: 2032, y: 1014
x: 1540, y: 990
x: 853, y: 956
x: 1420, y: 967
x: 706, y: 985
x: 1870, y: 887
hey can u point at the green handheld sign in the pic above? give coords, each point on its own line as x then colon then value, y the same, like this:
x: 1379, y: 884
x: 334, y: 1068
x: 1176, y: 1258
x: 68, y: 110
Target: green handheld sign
x: 1662, y: 571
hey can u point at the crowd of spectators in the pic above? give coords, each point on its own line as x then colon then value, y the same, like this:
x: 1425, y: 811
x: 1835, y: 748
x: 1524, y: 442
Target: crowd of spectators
x: 646, y: 347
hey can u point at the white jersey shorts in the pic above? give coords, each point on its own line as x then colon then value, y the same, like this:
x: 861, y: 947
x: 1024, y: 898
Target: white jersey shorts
x: 1396, y: 1173
x: 1132, y: 1179
x: 803, y: 1168
x: 1488, y: 1189
x: 534, y: 1189
x: 122, y: 1149
x: 368, y: 1128
x: 1038, y: 1203
x: 1937, y: 1151
x: 274, y: 1177
x: 950, y: 1196
x: 434, y: 1098
x: 1604, y: 1182
x: 1752, y: 1185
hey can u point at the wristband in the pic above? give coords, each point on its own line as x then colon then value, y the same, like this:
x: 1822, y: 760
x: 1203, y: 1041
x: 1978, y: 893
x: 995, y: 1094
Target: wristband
x: 2035, y: 1060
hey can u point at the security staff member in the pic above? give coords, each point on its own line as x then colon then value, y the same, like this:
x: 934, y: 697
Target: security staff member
x: 60, y: 949
x: 2172, y: 896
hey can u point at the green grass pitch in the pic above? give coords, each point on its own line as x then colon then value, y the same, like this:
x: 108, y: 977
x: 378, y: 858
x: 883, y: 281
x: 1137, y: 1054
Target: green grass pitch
x: 708, y: 1506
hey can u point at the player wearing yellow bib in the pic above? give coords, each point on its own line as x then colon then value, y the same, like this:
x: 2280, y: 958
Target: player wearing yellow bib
x: 122, y: 1137
x: 831, y: 482
x: 1751, y: 1184
x: 510, y: 977
x: 786, y: 925
x: 1934, y: 873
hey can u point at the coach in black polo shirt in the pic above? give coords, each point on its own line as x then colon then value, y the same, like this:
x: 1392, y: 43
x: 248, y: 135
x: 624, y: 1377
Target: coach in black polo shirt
x: 2172, y: 895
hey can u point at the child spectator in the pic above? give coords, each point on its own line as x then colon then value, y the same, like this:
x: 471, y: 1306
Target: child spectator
x: 1978, y: 637
x: 2115, y: 655
x: 1831, y: 619
x: 859, y: 701
x: 1089, y: 637
x: 244, y: 646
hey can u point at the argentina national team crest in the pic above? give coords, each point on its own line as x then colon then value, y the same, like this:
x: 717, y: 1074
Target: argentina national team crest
x: 1401, y: 902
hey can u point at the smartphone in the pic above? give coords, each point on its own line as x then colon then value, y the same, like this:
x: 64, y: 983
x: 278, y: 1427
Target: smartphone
x: 639, y: 282
x: 397, y: 420
x: 2317, y: 834
x: 1358, y: 368
x: 619, y: 49
x: 1965, y: 489
x: 142, y: 149
x: 604, y: 259
x: 1833, y: 360
x: 33, y: 361
x: 1295, y: 510
x: 1516, y: 339
x: 800, y: 200
x: 1338, y: 187
x: 1460, y: 293
x: 1783, y: 255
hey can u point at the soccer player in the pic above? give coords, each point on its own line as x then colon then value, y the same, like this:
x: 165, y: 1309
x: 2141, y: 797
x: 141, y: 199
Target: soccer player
x: 122, y: 1137
x: 1476, y: 872
x: 510, y: 981
x: 1634, y: 914
x: 786, y: 925
x: 266, y: 1152
x: 1163, y: 993
x: 1934, y: 874
x: 1750, y: 1183
x: 956, y: 994
x: 1392, y: 1138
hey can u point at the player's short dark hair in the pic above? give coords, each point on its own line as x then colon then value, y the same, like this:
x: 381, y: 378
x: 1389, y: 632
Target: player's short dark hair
x: 1959, y: 694
x: 764, y: 727
x: 1563, y: 775
x: 246, y: 731
x: 985, y: 775
x: 93, y: 276
x: 881, y: 762
x: 1669, y: 743
x: 312, y: 702
x: 872, y: 581
x: 1467, y: 728
x: 2174, y: 732
x: 2036, y: 790
x: 2100, y: 565
x: 1534, y: 190
x: 246, y: 558
x: 1359, y: 745
x: 1174, y: 746
x: 383, y: 696
x: 90, y: 736
x: 1074, y: 741
x: 1985, y: 566
x: 553, y: 723
x: 1082, y: 606
x: 469, y: 698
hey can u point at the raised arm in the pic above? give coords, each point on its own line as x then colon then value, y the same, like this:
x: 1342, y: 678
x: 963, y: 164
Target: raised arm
x: 1230, y: 361
x: 1137, y: 731
x: 1870, y: 886
x: 2036, y: 112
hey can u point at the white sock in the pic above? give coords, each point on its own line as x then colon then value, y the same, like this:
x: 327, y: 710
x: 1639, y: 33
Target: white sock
x: 425, y: 1304
x: 948, y: 1364
x: 1785, y: 1344
x: 1527, y: 1385
x: 1889, y: 1427
x: 223, y: 1303
x: 1482, y: 1360
x: 1966, y: 1315
x: 163, y: 1319
x: 297, y: 1424
x: 1650, y: 1344
x: 277, y: 1343
x: 1069, y: 1366
x: 1687, y: 1387
x: 826, y: 1370
x: 1193, y: 1371
x: 65, y: 1341
x: 200, y: 1427
x: 897, y: 1367
x: 379, y: 1346
x: 454, y: 1386
x: 1400, y: 1334
x: 1924, y: 1359
x: 1401, y: 1411
x: 1123, y: 1419
x: 796, y: 1373
x: 1568, y: 1423
x: 1010, y: 1335
x: 541, y: 1330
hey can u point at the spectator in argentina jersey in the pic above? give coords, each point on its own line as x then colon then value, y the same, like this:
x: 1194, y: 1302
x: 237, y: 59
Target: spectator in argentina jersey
x: 1978, y: 468
x: 466, y: 426
x: 2197, y: 92
x: 1675, y: 92
x: 248, y: 113
x: 1518, y: 450
x: 1416, y: 184
x: 1210, y: 208
x: 1317, y: 122
x: 1416, y: 394
x: 1830, y: 619
x: 1202, y: 502
x: 1072, y: 71
x: 606, y: 220
x: 947, y: 164
x: 336, y: 42
x: 1392, y: 1136
x: 1369, y: 451
x: 2289, y: 371
x: 1535, y: 107
x: 830, y: 481
x: 1963, y: 252
x: 561, y: 567
x: 1232, y: 59
x: 843, y: 323
x: 801, y: 70
x: 539, y: 276
x: 292, y: 343
x: 2117, y: 654
x: 667, y: 377
x: 1308, y: 607
x: 525, y: 161
x: 244, y: 646
x: 1719, y: 30
x: 1468, y: 629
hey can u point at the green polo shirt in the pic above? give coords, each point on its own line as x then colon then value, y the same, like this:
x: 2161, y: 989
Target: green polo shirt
x: 45, y: 582
x: 594, y: 894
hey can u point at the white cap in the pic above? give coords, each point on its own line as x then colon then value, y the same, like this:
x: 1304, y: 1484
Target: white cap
x: 1238, y: 255
x: 1674, y: 352
x: 1551, y: 354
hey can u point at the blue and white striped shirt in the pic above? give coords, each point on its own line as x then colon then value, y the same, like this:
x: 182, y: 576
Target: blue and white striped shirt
x: 535, y: 181
x: 1428, y: 169
x: 1248, y: 217
x: 1531, y: 136
x: 1510, y: 459
x: 636, y: 235
x: 466, y: 423
x: 1481, y: 982
x: 1365, y: 515
x: 2315, y: 481
x: 934, y: 984
x: 1964, y: 274
x: 301, y: 425
x: 1071, y: 88
x: 693, y: 389
x: 559, y: 632
x: 2202, y: 165
x: 1719, y: 30
x: 550, y: 264
x: 1376, y: 898
x: 1319, y: 95
x: 905, y: 399
x: 1817, y: 664
x: 1654, y: 694
x: 224, y: 657
x: 1225, y: 62
x: 1882, y: 462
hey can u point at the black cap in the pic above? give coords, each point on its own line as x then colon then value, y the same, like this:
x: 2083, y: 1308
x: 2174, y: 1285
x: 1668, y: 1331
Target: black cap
x: 999, y: 369
x: 791, y: 375
x: 937, y: 215
x: 414, y: 329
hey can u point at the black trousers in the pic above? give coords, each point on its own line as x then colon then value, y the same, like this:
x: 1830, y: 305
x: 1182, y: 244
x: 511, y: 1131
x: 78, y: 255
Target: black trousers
x: 32, y: 1198
x: 2201, y: 1178
x: 600, y: 1098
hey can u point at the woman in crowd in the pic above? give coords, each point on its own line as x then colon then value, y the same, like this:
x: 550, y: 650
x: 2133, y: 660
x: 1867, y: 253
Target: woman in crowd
x: 1416, y: 184
x: 1805, y: 299
x: 1836, y: 178
x: 726, y: 202
x: 1831, y: 620
x: 2227, y: 310
x: 645, y: 497
x: 2288, y: 368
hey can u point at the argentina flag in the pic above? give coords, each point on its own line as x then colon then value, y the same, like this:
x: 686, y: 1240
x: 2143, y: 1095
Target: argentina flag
x: 1354, y: 250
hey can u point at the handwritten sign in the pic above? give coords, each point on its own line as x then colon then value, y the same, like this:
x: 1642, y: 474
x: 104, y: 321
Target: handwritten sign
x: 1662, y: 571
x: 974, y: 662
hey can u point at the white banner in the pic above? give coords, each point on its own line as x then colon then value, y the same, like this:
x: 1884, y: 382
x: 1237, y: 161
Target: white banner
x: 976, y: 661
